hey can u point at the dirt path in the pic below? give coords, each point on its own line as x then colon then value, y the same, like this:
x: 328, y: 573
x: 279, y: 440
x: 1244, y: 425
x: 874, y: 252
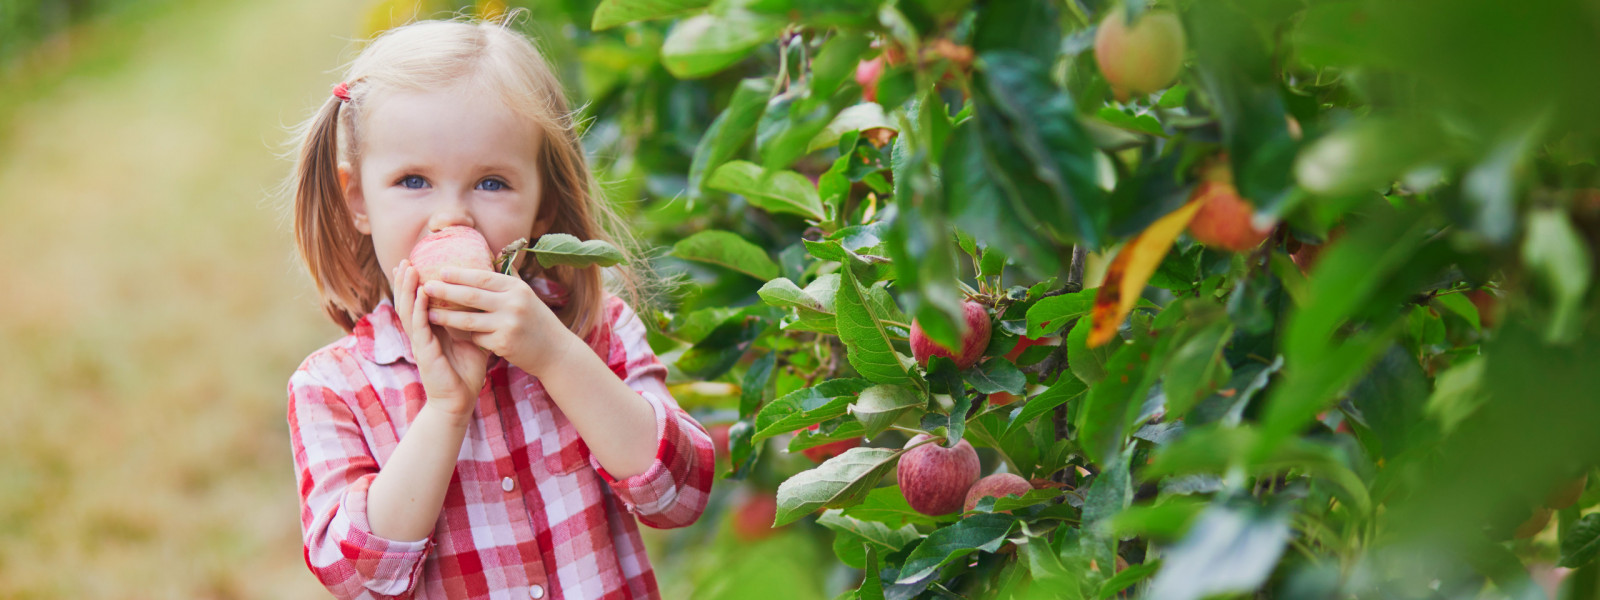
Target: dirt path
x: 153, y: 308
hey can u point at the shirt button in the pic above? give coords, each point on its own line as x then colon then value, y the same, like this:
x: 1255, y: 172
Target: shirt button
x: 508, y: 484
x: 536, y: 592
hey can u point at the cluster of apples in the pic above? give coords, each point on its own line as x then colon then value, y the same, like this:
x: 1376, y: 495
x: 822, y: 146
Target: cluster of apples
x: 937, y: 480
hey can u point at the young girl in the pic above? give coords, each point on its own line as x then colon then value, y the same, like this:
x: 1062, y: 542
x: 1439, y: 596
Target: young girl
x: 503, y: 451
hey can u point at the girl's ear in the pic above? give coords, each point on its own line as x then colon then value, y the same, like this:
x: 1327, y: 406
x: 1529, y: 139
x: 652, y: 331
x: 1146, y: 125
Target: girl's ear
x: 354, y: 200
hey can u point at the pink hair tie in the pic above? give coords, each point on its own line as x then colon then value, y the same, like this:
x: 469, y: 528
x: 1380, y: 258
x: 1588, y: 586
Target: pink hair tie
x: 342, y: 91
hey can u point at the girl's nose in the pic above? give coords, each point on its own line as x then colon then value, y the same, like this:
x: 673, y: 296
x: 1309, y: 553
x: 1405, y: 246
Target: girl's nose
x: 453, y: 213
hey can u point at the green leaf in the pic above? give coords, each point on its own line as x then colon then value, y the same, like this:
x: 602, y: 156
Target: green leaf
x: 873, y: 532
x: 1051, y: 314
x: 871, y: 582
x: 861, y: 117
x: 1086, y: 363
x: 772, y: 191
x: 1037, y: 150
x: 1196, y: 368
x: 1109, y: 494
x: 611, y: 13
x: 1066, y: 388
x: 1168, y: 520
x: 1457, y: 393
x: 560, y: 249
x: 720, y: 349
x: 754, y: 384
x: 888, y: 505
x: 1128, y: 577
x: 879, y: 406
x: 729, y: 132
x: 1554, y: 251
x: 783, y: 293
x: 1143, y: 123
x: 787, y: 127
x: 705, y: 44
x: 1113, y: 402
x: 840, y: 481
x: 727, y: 249
x: 806, y: 406
x: 995, y: 375
x: 836, y: 62
x: 983, y: 532
x: 1582, y: 542
x: 1227, y: 551
x: 867, y: 344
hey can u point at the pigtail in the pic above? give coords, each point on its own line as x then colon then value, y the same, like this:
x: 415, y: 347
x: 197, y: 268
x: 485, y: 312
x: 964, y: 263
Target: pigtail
x: 341, y: 264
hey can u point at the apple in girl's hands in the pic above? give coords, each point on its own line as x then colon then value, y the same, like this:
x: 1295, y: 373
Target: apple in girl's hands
x: 501, y: 314
x: 453, y: 246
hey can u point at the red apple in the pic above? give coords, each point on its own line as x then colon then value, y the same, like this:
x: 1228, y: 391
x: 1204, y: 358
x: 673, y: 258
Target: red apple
x: 1568, y: 494
x: 1140, y: 58
x: 972, y: 346
x: 1534, y: 524
x: 819, y: 454
x: 454, y: 246
x: 752, y: 519
x: 1224, y: 219
x: 998, y: 485
x: 935, y: 479
x: 867, y: 74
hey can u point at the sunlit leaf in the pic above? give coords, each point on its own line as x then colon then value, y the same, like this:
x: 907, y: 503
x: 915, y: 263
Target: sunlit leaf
x: 840, y: 481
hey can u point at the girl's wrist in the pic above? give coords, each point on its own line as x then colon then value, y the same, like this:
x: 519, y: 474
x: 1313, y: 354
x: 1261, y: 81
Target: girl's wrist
x: 451, y: 412
x: 549, y: 358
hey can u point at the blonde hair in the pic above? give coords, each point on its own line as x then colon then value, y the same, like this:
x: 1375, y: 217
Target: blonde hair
x: 429, y: 55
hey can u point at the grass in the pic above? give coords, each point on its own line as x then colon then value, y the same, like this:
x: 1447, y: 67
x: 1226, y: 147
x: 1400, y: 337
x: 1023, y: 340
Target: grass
x: 153, y: 304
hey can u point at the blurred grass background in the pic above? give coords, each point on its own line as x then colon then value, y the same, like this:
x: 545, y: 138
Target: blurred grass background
x: 154, y: 308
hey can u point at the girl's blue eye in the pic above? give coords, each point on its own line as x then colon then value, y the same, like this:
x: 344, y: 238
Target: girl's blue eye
x: 409, y: 179
x: 493, y: 185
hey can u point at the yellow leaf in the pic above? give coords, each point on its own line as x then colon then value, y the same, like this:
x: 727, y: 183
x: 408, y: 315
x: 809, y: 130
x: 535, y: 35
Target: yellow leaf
x: 1131, y: 269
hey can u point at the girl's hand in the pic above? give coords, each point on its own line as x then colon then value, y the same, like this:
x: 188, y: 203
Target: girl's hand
x: 452, y: 370
x: 515, y: 324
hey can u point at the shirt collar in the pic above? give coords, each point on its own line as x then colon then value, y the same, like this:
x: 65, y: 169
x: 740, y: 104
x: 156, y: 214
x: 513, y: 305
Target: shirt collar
x: 382, y: 340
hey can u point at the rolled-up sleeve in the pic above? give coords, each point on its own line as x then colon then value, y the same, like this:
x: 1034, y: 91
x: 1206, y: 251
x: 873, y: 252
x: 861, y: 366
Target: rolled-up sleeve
x: 674, y: 490
x: 334, y: 469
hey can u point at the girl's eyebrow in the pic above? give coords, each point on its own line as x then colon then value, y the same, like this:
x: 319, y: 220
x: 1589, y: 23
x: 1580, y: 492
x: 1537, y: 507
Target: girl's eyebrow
x: 480, y: 169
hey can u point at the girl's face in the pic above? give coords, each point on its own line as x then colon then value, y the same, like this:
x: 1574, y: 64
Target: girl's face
x: 452, y: 156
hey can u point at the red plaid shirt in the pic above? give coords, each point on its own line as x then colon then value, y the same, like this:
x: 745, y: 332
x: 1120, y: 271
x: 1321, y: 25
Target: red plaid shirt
x: 528, y: 514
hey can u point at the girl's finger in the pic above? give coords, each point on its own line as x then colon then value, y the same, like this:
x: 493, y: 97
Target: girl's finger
x: 478, y: 278
x: 463, y: 321
x: 423, y: 340
x: 463, y: 295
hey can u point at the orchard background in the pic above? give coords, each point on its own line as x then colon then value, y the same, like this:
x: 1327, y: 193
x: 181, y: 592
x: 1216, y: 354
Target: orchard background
x: 1317, y: 311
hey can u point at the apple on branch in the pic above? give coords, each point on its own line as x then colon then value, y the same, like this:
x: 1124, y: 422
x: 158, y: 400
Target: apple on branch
x: 998, y: 485
x: 935, y: 479
x: 972, y: 344
x: 1225, y: 220
x: 1142, y: 57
